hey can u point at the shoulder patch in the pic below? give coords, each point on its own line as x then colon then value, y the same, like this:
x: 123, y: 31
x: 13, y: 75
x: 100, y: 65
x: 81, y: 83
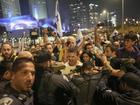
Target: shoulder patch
x: 6, y: 101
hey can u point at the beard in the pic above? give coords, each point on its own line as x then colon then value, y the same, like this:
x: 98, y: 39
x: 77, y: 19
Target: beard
x: 7, y: 55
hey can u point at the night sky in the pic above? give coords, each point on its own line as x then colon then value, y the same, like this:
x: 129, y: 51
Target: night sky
x: 132, y: 7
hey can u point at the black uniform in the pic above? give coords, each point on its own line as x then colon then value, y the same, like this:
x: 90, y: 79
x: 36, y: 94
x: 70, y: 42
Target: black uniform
x: 11, y: 97
x: 86, y: 83
x: 3, y: 83
x: 105, y: 96
x: 54, y: 90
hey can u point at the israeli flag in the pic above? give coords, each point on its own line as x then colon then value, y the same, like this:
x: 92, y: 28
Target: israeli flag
x: 58, y: 20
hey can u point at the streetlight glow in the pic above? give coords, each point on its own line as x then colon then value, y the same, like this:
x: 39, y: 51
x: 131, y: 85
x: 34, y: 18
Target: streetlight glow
x: 137, y: 22
x: 104, y: 11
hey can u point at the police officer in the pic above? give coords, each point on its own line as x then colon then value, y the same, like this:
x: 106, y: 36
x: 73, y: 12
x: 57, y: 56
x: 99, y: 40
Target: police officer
x: 86, y: 82
x: 18, y: 90
x: 55, y: 90
x: 50, y: 86
x: 129, y: 93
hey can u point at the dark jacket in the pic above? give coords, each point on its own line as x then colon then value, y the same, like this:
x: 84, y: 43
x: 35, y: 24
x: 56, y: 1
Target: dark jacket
x: 54, y: 90
x: 11, y: 59
x: 11, y: 97
x: 86, y: 84
x: 38, y: 76
x: 135, y: 54
x: 105, y: 96
x: 3, y: 83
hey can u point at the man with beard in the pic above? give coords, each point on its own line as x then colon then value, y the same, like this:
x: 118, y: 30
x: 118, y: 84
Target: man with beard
x: 7, y: 52
x: 43, y: 61
x: 52, y: 88
x: 18, y: 91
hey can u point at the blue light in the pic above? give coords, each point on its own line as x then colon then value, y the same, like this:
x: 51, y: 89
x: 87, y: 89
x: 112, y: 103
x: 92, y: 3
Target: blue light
x: 19, y: 22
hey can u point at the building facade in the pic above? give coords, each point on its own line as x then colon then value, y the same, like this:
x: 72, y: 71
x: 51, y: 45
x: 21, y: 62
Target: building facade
x: 24, y: 7
x: 10, y: 8
x: 1, y: 14
x: 38, y: 8
x: 79, y: 14
x: 51, y: 4
x: 83, y: 14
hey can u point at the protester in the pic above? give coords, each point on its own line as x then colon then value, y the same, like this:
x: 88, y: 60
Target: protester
x: 25, y: 54
x: 86, y: 56
x: 130, y: 50
x: 73, y: 61
x: 7, y: 52
x: 5, y: 70
x: 93, y: 49
x: 5, y: 74
x: 68, y: 71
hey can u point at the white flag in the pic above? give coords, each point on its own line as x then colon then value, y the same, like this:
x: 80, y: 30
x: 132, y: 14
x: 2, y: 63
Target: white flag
x: 58, y: 20
x: 79, y: 37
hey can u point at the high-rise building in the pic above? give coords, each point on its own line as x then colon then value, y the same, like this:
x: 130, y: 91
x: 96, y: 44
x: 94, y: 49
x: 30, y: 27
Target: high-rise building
x: 38, y: 8
x: 1, y: 14
x: 24, y: 7
x: 10, y: 8
x: 65, y: 16
x: 51, y: 4
x: 83, y: 13
x: 79, y: 13
x: 93, y: 14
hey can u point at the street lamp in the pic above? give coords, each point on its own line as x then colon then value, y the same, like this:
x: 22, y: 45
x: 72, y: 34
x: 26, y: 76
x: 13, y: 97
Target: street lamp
x: 106, y: 14
x: 107, y: 19
x: 122, y: 15
x: 104, y: 11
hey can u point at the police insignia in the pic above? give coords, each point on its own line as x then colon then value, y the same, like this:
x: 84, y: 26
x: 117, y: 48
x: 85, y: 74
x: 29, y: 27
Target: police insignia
x: 6, y: 101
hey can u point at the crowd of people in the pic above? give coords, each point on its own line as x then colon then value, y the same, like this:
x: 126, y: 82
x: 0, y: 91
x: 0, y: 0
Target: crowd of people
x: 103, y: 71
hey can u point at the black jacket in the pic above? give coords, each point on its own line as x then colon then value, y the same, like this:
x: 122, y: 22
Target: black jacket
x: 86, y: 84
x: 105, y: 96
x: 54, y: 90
x: 12, y: 97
